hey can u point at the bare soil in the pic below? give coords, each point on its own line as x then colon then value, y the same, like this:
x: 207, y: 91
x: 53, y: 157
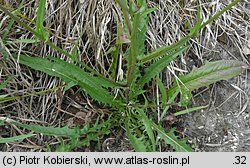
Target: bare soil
x: 225, y: 125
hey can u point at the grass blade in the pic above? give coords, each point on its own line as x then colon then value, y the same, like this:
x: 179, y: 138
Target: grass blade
x: 27, y: 41
x: 12, y: 21
x: 7, y: 97
x: 115, y: 52
x: 189, y: 110
x: 30, y: 29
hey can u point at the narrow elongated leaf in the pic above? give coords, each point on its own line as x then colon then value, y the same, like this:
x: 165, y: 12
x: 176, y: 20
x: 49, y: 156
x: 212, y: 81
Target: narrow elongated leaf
x: 210, y: 73
x: 42, y: 37
x: 170, y: 101
x: 92, y: 133
x: 189, y: 110
x: 163, y: 91
x: 7, y: 98
x: 15, y: 138
x: 100, y: 80
x: 147, y: 123
x: 171, y: 139
x: 27, y: 41
x: 218, y: 14
x: 40, y: 19
x: 154, y: 69
x: 195, y: 30
x: 157, y: 53
x: 56, y: 131
x: 166, y: 49
x: 115, y: 51
x: 7, y: 30
x: 70, y: 73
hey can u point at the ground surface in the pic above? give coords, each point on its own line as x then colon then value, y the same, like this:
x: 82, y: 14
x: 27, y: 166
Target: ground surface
x: 224, y: 126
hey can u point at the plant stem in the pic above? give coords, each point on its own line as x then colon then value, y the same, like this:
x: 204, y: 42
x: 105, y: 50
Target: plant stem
x: 125, y: 14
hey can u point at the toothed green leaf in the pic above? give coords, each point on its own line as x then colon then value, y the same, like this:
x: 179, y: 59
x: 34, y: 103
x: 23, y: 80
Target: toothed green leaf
x: 210, y: 73
x: 148, y: 128
x: 71, y: 75
x: 15, y: 138
x: 137, y: 143
x: 154, y: 69
x: 169, y: 137
x: 55, y: 131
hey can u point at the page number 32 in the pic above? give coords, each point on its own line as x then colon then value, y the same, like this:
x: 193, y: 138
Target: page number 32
x: 240, y: 160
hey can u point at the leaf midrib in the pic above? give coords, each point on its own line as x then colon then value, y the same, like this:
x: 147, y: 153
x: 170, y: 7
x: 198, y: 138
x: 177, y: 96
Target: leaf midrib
x: 202, y: 76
